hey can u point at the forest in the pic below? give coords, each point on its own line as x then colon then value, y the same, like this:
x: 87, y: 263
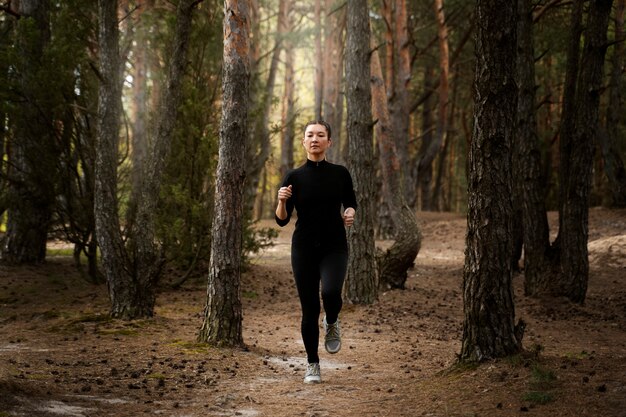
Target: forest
x: 143, y: 144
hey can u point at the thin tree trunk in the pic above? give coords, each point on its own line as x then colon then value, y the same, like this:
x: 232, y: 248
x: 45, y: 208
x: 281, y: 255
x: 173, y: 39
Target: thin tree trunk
x: 488, y: 328
x: 116, y: 265
x: 148, y: 257
x: 438, y: 197
x: 334, y: 28
x: 399, y: 101
x: 140, y: 103
x: 441, y: 129
x: 568, y: 108
x: 256, y: 158
x: 288, y: 105
x: 361, y: 282
x: 527, y: 167
x: 425, y: 172
x: 397, y: 260
x: 575, y: 233
x: 318, y: 82
x: 223, y: 312
x: 613, y: 163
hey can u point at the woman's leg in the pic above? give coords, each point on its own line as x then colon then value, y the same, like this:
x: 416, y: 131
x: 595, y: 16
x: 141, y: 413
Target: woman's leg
x: 333, y: 267
x: 306, y: 272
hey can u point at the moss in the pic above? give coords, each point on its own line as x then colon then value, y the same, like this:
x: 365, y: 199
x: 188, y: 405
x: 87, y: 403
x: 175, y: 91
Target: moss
x: 192, y: 347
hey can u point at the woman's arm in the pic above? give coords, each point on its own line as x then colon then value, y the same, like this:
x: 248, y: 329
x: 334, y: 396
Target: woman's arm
x: 282, y: 211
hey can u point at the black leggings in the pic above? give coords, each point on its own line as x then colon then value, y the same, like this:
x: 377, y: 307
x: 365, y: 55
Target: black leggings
x: 311, y: 266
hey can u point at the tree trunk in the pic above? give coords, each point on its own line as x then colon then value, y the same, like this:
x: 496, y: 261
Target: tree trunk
x: 223, y: 314
x: 575, y: 233
x: 425, y: 172
x: 140, y: 88
x: 527, y: 168
x: 126, y: 301
x: 568, y: 108
x: 31, y: 189
x: 613, y: 163
x: 488, y: 327
x: 259, y: 148
x: 441, y: 129
x: 399, y: 100
x: 288, y: 105
x: 361, y: 282
x: 146, y: 253
x: 318, y: 82
x: 334, y: 27
x: 132, y: 273
x: 397, y: 260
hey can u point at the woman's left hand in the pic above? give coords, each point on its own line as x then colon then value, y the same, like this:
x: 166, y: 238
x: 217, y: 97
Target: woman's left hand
x: 348, y: 217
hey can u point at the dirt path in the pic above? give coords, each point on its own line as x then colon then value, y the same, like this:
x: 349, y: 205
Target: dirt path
x: 61, y: 356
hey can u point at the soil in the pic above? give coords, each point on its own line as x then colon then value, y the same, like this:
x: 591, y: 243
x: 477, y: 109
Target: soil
x: 60, y: 354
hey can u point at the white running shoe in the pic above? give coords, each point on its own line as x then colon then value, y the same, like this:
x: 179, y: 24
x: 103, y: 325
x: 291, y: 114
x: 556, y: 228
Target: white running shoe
x: 312, y: 375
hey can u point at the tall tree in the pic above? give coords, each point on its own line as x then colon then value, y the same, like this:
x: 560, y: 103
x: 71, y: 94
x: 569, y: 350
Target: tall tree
x: 318, y: 81
x: 133, y: 268
x: 332, y: 99
x: 222, y: 314
x: 527, y: 168
x: 114, y: 257
x: 361, y: 282
x: 397, y: 260
x: 399, y: 98
x: 259, y: 146
x: 31, y: 178
x: 488, y: 327
x: 613, y: 163
x: 574, y: 274
x: 288, y: 113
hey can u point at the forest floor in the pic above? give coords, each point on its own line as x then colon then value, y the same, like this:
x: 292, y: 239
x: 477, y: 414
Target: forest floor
x: 60, y: 355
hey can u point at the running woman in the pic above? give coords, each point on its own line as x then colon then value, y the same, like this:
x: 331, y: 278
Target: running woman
x: 319, y: 248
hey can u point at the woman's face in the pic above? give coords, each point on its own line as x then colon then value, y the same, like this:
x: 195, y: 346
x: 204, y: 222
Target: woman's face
x: 316, y: 141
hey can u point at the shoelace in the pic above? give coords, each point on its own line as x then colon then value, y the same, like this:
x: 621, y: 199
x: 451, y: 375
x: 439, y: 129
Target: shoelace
x: 333, y: 331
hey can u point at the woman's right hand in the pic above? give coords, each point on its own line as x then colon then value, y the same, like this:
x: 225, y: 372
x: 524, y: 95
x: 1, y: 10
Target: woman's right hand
x: 284, y: 193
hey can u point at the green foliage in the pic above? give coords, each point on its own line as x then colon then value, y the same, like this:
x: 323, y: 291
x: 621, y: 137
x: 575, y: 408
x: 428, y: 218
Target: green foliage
x: 256, y: 239
x: 186, y: 209
x: 541, y: 384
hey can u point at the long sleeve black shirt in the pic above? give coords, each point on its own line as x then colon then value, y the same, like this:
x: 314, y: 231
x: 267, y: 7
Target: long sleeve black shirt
x: 319, y: 189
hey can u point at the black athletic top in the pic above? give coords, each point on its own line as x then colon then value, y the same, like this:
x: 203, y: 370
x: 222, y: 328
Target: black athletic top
x: 319, y: 190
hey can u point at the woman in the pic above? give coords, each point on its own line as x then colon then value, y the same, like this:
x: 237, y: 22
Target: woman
x: 319, y: 249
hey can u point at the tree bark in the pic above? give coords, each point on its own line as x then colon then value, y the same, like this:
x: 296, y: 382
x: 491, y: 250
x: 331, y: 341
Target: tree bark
x: 223, y: 313
x: 568, y: 108
x: 527, y: 167
x: 397, y: 260
x: 399, y: 100
x: 613, y: 163
x: 424, y: 171
x: 125, y: 301
x: 488, y: 327
x: 575, y: 233
x: 318, y: 82
x: 31, y: 178
x: 361, y: 282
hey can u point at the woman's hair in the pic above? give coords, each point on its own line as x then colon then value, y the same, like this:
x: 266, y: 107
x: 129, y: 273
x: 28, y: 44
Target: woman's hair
x: 319, y: 122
